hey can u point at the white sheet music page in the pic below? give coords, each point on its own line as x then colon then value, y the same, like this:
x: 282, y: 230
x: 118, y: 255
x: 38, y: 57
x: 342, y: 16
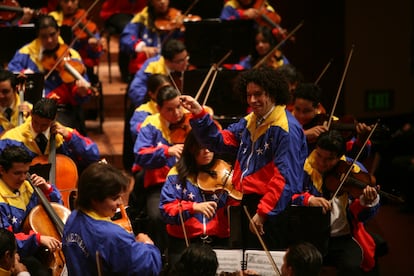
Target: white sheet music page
x: 258, y: 261
x: 229, y: 260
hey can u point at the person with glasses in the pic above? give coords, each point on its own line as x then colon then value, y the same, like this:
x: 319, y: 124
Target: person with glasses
x: 270, y: 149
x: 172, y: 62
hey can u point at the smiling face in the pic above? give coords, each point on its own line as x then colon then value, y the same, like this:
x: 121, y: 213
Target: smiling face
x: 107, y: 207
x: 258, y: 99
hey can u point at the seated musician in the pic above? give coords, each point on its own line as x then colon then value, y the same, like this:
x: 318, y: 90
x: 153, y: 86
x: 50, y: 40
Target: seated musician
x: 245, y: 9
x: 86, y: 35
x: 116, y: 14
x: 270, y: 149
x: 89, y: 230
x: 10, y: 105
x: 302, y: 259
x: 34, y: 136
x: 173, y: 59
x: 203, y: 213
x: 351, y: 249
x: 141, y: 39
x: 9, y: 258
x: 18, y: 199
x: 293, y: 77
x: 154, y: 84
x: 310, y: 113
x: 264, y: 42
x: 156, y: 151
x: 41, y: 55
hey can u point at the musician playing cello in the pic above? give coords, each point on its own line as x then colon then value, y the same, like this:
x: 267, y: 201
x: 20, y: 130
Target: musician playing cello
x: 270, y: 148
x: 204, y: 215
x: 34, y: 136
x: 89, y: 230
x: 351, y: 249
x: 17, y: 199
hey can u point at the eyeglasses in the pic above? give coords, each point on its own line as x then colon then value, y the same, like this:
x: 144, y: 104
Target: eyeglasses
x: 181, y: 60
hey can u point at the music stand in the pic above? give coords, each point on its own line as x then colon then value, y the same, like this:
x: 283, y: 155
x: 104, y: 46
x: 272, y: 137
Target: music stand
x: 209, y: 40
x: 34, y: 87
x: 226, y: 102
x: 16, y: 37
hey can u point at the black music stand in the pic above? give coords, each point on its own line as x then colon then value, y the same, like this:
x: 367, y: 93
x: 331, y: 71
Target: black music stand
x: 226, y: 102
x: 34, y: 87
x: 16, y: 38
x: 207, y: 41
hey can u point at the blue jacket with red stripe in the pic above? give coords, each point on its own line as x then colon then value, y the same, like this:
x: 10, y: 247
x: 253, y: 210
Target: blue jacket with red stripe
x: 270, y: 157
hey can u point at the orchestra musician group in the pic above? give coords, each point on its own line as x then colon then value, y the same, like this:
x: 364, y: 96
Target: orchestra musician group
x: 190, y: 175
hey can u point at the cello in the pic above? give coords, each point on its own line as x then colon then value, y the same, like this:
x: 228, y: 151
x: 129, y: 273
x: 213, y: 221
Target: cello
x: 48, y: 219
x: 63, y: 172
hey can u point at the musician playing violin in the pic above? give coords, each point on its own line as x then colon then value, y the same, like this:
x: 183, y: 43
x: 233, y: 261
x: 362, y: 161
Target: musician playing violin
x: 18, y: 199
x: 310, y: 113
x: 204, y: 214
x: 156, y: 152
x: 172, y: 62
x: 43, y: 52
x: 351, y: 248
x: 141, y: 39
x: 264, y: 42
x: 89, y: 230
x: 88, y: 41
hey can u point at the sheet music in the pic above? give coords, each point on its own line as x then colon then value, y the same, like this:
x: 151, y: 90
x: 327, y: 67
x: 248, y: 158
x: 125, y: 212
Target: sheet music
x: 258, y: 261
x: 229, y: 260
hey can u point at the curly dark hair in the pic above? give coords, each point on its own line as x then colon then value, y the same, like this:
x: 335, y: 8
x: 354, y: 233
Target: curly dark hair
x: 273, y: 83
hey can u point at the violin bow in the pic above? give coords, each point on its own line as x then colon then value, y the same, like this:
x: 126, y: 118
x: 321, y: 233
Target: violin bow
x: 187, y: 242
x: 213, y: 67
x: 323, y: 71
x: 345, y: 176
x: 78, y: 22
x: 272, y: 51
x: 269, y: 256
x: 21, y: 80
x: 340, y: 86
x: 98, y: 263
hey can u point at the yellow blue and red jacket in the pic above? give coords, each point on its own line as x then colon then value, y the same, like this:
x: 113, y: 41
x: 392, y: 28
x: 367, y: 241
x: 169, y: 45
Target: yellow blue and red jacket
x: 179, y: 197
x: 357, y: 213
x: 15, y: 207
x: 81, y: 149
x: 269, y: 158
x: 29, y: 57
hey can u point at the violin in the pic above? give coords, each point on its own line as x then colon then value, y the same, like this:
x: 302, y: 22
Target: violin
x: 218, y: 178
x: 180, y: 130
x: 174, y: 20
x: 355, y: 183
x: 10, y: 8
x: 60, y: 61
x: 81, y: 27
